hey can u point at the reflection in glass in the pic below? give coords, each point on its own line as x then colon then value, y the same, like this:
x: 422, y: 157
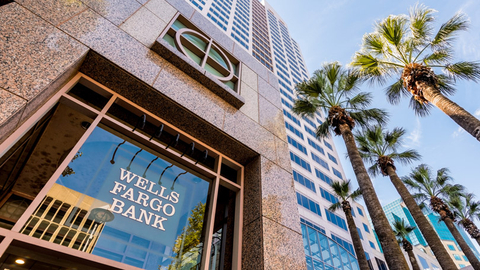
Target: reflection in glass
x: 109, y: 209
x: 28, y: 165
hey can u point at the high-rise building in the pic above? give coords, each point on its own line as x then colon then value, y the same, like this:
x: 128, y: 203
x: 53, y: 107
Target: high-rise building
x: 397, y: 210
x: 261, y: 31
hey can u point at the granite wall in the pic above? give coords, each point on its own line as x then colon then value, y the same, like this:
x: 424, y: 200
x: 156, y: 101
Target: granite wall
x: 45, y: 43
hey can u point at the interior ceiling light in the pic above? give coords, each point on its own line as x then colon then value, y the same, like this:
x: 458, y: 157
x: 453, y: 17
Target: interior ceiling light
x: 20, y: 261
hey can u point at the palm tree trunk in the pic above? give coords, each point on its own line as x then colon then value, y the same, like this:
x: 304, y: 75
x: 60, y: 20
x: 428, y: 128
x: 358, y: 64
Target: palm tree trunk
x: 357, y: 242
x: 471, y: 229
x: 412, y: 258
x: 425, y: 227
x: 463, y: 118
x: 393, y: 253
x: 461, y: 242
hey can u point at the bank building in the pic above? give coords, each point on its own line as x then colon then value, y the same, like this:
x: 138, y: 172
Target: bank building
x: 158, y: 134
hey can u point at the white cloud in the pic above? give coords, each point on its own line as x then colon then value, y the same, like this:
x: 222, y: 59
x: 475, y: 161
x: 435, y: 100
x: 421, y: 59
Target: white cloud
x: 413, y: 139
x: 458, y: 132
x: 477, y: 112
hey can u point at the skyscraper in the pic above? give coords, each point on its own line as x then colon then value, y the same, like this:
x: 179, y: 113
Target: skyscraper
x: 397, y: 210
x: 261, y: 31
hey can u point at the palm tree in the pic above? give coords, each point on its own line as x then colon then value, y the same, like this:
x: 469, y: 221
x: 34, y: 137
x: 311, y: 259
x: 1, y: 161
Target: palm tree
x: 405, y: 46
x: 381, y: 149
x: 435, y: 189
x: 335, y: 91
x: 343, y: 191
x: 401, y: 231
x: 466, y: 209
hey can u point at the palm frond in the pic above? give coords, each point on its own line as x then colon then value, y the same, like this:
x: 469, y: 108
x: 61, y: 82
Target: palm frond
x: 392, y: 29
x: 360, y: 101
x: 304, y: 107
x: 420, y: 22
x: 420, y: 109
x: 374, y: 43
x: 367, y: 117
x: 447, y: 32
x: 356, y: 194
x: 406, y: 157
x: 335, y: 206
x: 438, y: 57
x: 395, y: 92
x: 322, y: 129
x: 445, y: 84
x: 464, y: 70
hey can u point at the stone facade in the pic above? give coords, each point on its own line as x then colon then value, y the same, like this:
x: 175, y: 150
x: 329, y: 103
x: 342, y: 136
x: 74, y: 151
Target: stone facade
x: 44, y: 44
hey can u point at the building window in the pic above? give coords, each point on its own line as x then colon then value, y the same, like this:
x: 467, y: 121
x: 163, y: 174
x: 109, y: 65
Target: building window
x: 372, y: 245
x: 190, y: 41
x: 304, y: 181
x: 332, y: 158
x: 320, y: 161
x: 323, y: 177
x: 323, y: 252
x: 328, y: 196
x: 309, y: 204
x: 366, y: 228
x: 297, y: 145
x: 381, y: 264
x: 360, y: 233
x: 457, y: 257
x: 360, y: 211
x: 335, y: 219
x: 451, y: 247
x: 113, y: 180
x: 300, y: 162
x: 423, y: 262
x: 337, y: 173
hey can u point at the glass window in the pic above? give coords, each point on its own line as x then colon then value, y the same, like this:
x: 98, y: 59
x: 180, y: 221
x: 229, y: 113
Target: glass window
x: 423, y: 262
x: 451, y: 247
x: 360, y: 233
x: 320, y: 161
x: 297, y: 145
x: 372, y: 245
x: 360, y: 211
x: 366, y: 228
x: 304, y: 181
x: 457, y: 257
x: 203, y: 51
x: 102, y: 192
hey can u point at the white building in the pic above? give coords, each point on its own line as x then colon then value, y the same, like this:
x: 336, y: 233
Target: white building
x: 260, y: 30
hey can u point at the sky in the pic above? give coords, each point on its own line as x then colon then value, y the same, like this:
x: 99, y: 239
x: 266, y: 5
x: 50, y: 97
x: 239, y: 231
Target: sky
x: 332, y: 31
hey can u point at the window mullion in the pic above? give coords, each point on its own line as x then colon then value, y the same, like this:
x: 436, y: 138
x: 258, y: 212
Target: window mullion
x: 207, y: 247
x: 39, y: 198
x: 207, y: 51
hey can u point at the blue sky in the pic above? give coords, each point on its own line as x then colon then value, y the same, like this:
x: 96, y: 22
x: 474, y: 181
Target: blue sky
x: 333, y: 30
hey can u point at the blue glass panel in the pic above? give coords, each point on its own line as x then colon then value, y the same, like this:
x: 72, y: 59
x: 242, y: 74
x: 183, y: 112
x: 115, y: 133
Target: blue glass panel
x: 314, y: 246
x: 335, y: 254
x: 309, y: 263
x: 317, y: 265
x: 327, y: 258
x: 306, y: 246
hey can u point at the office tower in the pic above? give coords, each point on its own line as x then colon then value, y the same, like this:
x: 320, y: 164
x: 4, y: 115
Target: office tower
x: 260, y: 30
x: 397, y: 210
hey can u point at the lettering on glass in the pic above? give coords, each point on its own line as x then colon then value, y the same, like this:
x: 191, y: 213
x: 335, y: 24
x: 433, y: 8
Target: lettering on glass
x: 153, y: 204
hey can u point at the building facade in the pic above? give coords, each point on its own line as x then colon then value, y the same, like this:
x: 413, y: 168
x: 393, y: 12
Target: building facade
x: 397, y: 210
x: 137, y: 135
x: 261, y: 31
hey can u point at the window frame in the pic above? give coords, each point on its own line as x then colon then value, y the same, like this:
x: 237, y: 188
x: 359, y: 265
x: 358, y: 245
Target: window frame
x: 14, y: 235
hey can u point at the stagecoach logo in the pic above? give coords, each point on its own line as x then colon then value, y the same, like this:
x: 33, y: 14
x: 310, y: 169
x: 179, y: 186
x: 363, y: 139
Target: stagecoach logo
x: 152, y: 203
x: 179, y: 38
